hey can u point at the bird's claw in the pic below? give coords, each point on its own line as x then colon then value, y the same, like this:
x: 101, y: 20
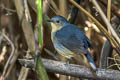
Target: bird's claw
x: 67, y: 63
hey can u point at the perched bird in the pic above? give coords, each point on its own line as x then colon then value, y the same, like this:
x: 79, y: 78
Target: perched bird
x: 69, y: 40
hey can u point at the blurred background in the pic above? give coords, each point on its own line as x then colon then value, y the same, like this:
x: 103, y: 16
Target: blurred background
x: 13, y: 44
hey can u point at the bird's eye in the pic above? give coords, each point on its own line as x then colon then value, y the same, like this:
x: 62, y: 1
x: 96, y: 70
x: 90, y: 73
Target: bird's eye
x: 57, y: 21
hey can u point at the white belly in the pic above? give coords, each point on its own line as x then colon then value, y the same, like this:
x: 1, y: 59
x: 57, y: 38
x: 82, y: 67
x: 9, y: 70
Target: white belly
x: 63, y: 51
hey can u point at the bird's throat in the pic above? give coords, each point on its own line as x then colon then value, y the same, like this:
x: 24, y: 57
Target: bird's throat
x: 54, y: 27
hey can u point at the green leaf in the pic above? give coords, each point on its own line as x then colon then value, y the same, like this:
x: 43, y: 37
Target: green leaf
x: 41, y: 72
x: 39, y: 17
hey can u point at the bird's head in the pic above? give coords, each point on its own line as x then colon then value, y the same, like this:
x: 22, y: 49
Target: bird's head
x: 57, y: 22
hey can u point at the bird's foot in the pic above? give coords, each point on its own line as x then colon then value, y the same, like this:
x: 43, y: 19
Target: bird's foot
x: 94, y: 70
x: 67, y: 63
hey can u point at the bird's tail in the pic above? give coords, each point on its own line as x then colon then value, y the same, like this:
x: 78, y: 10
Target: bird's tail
x: 90, y: 60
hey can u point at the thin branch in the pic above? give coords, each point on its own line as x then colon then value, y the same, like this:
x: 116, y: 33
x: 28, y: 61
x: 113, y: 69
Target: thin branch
x: 54, y: 5
x: 110, y: 58
x: 26, y: 23
x: 109, y: 13
x: 2, y: 55
x: 55, y: 8
x: 13, y: 60
x: 7, y: 9
x: 114, y: 8
x: 24, y: 71
x: 12, y: 64
x: 11, y: 56
x: 51, y: 54
x: 74, y: 70
x: 116, y: 61
x: 4, y: 49
x: 100, y: 26
x: 106, y: 21
x: 109, y: 10
x: 63, y: 8
x: 113, y: 65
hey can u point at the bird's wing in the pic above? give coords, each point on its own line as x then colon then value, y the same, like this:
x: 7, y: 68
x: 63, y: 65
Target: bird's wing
x: 72, y: 38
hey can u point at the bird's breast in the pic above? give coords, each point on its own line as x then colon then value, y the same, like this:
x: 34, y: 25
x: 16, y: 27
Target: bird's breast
x: 62, y: 50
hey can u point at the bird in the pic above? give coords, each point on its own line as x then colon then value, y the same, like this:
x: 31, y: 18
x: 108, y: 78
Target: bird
x: 69, y: 40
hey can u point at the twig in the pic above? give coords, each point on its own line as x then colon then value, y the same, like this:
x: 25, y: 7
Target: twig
x: 7, y: 9
x: 1, y: 35
x: 114, y: 8
x: 109, y: 13
x: 112, y: 65
x: 55, y: 8
x: 13, y: 60
x: 116, y: 61
x: 63, y: 8
x: 109, y: 10
x: 51, y: 54
x: 2, y: 55
x: 27, y: 14
x: 26, y: 24
x: 75, y: 70
x: 12, y: 53
x: 113, y: 59
x: 24, y: 71
x: 100, y: 26
x: 54, y: 5
x: 4, y: 50
x: 106, y: 21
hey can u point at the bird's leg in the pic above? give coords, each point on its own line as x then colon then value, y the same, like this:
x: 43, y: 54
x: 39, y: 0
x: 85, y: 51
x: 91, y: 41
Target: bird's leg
x: 52, y: 54
x: 55, y: 52
x: 67, y: 63
x: 95, y: 71
x: 57, y: 58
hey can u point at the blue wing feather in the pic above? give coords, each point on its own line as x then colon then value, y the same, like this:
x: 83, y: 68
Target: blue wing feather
x: 72, y: 38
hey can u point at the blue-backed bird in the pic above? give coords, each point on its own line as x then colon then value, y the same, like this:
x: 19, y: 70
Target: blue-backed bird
x: 69, y: 40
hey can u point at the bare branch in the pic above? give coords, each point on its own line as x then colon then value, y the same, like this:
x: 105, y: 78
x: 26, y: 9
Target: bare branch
x: 24, y: 71
x: 11, y: 56
x: 109, y: 10
x: 74, y: 70
x: 106, y: 21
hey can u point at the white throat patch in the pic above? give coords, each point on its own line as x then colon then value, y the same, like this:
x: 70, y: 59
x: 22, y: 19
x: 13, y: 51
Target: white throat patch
x: 55, y: 28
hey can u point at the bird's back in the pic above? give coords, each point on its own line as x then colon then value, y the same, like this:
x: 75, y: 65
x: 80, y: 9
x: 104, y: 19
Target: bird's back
x: 72, y: 38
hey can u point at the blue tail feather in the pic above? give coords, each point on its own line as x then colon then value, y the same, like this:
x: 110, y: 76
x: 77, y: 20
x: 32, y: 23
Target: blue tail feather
x: 91, y: 61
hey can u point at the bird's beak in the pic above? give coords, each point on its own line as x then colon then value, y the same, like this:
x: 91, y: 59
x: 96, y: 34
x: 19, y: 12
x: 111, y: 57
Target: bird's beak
x: 50, y: 20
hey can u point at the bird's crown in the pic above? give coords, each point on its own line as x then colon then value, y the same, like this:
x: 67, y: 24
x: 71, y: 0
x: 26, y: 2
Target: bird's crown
x: 57, y: 19
x: 57, y: 22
